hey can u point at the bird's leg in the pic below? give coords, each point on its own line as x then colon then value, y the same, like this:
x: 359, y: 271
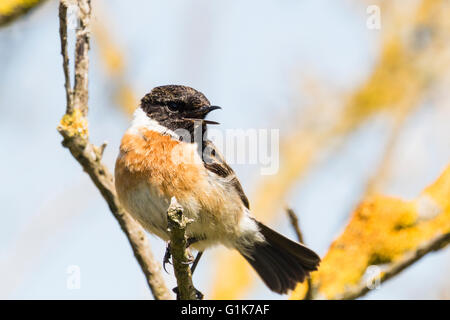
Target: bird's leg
x: 191, y: 241
x: 198, y: 294
x: 197, y: 259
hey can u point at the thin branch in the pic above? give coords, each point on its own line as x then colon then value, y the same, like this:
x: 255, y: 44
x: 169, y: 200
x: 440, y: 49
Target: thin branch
x: 295, y: 225
x: 63, y: 35
x: 73, y: 127
x: 177, y: 223
x: 82, y: 57
x: 396, y: 267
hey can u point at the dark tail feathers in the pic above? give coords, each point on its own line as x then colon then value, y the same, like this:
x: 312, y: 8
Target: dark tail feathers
x: 280, y: 262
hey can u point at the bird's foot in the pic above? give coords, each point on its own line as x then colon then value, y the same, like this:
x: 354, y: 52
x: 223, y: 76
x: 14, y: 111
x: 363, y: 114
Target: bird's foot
x: 190, y: 258
x: 198, y: 294
x: 167, y: 256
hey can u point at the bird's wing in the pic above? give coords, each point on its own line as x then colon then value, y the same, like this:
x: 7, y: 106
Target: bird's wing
x: 214, y: 162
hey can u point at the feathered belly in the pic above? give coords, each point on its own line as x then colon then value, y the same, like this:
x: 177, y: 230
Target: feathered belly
x: 147, y: 208
x: 214, y: 219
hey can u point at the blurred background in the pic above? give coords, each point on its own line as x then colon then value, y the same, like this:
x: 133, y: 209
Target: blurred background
x: 361, y: 108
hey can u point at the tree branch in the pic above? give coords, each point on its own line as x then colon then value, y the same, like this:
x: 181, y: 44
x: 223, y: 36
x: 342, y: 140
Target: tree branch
x: 74, y: 129
x: 80, y: 94
x: 384, y: 236
x: 396, y: 267
x: 63, y: 38
x: 294, y: 222
x: 177, y: 223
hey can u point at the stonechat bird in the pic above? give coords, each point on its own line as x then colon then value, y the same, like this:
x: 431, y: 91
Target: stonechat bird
x: 157, y: 161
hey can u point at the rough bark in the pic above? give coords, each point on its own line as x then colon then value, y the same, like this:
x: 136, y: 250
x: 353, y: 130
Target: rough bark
x: 177, y: 224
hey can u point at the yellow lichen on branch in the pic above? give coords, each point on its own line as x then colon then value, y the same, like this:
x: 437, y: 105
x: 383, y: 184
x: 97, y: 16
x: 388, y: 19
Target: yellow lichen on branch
x: 12, y: 9
x: 382, y: 231
x: 74, y: 124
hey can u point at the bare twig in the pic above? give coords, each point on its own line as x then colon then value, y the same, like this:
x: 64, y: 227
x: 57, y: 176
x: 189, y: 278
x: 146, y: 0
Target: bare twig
x: 73, y: 127
x: 63, y: 35
x: 81, y: 57
x: 177, y: 223
x: 396, y: 267
x: 294, y: 222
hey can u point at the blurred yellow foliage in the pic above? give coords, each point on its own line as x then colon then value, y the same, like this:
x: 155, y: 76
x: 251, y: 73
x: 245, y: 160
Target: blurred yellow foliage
x: 381, y: 231
x: 113, y: 60
x: 11, y: 9
x: 126, y: 98
x: 414, y: 53
x: 111, y: 55
x: 9, y: 6
x: 394, y: 83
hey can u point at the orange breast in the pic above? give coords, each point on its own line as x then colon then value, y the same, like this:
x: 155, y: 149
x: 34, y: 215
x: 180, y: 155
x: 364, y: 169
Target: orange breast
x: 159, y: 160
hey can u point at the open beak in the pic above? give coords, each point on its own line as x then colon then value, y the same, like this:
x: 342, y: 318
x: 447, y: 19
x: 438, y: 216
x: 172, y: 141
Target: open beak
x: 210, y: 122
x: 202, y: 112
x: 212, y: 108
x: 202, y: 120
x: 207, y: 109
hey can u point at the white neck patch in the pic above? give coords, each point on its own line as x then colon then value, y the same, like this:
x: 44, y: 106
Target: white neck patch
x: 142, y: 121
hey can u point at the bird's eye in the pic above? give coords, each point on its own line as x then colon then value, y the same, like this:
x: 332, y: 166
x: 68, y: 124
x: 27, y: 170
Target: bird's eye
x: 172, y: 106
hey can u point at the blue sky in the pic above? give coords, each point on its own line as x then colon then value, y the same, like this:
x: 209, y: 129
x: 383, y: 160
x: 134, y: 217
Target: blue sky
x: 247, y: 57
